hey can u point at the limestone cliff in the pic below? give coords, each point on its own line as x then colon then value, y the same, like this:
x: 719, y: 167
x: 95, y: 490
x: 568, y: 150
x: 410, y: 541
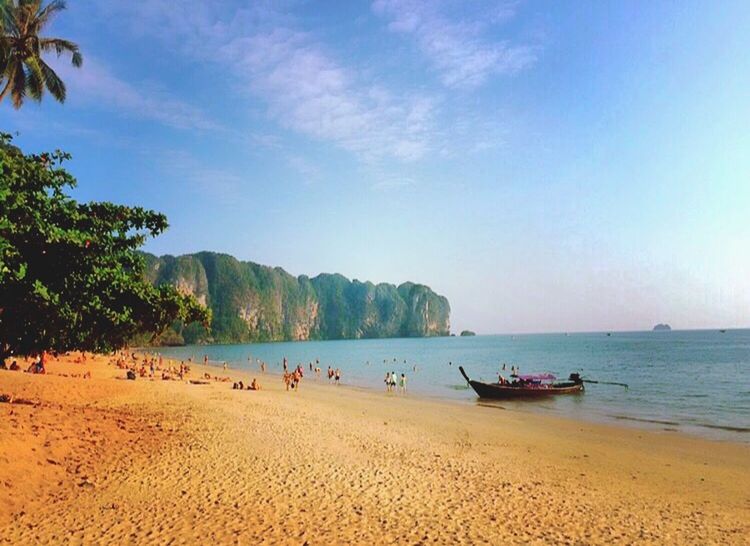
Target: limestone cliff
x: 252, y: 302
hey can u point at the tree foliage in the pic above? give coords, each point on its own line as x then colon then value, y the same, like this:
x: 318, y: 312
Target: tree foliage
x: 23, y: 71
x: 70, y: 274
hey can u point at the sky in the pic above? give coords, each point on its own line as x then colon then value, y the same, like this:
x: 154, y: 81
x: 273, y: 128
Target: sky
x: 547, y: 166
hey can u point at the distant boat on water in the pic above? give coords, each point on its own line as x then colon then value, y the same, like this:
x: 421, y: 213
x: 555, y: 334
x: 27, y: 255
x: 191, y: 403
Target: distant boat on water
x: 723, y: 331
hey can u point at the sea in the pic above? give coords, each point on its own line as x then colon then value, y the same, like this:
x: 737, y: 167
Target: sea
x: 696, y: 382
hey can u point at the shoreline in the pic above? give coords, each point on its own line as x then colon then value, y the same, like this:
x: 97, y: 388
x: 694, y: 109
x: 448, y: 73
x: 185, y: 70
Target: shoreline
x: 340, y: 464
x: 610, y: 421
x: 741, y: 435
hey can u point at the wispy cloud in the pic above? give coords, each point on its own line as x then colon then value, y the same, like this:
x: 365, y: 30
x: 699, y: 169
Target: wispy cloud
x: 305, y: 86
x: 458, y: 49
x: 94, y: 82
x: 309, y: 91
x: 309, y: 88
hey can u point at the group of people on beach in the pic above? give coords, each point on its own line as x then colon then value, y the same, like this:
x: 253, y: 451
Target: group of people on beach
x: 292, y: 379
x: 334, y: 375
x: 37, y: 366
x: 254, y: 386
x: 150, y: 366
x: 392, y: 380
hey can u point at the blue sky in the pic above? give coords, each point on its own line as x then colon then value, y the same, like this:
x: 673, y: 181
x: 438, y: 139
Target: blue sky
x: 548, y: 166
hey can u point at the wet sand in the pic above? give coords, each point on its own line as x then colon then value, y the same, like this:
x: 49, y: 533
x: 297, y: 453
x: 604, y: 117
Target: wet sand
x: 109, y: 461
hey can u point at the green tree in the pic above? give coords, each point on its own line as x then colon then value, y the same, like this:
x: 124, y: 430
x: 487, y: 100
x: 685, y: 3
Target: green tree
x: 23, y: 72
x: 70, y: 274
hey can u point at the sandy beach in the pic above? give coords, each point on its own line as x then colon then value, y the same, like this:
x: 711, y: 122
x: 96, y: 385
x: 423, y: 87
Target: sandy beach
x: 109, y: 461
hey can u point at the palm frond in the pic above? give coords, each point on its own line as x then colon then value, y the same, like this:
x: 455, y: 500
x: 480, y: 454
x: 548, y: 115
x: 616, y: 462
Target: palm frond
x: 53, y: 82
x: 17, y: 85
x: 4, y: 56
x: 8, y: 22
x: 43, y: 15
x: 61, y: 46
x: 34, y: 80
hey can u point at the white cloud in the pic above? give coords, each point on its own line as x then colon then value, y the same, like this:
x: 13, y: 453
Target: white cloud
x: 307, y: 88
x: 304, y: 86
x: 94, y: 82
x: 457, y: 49
x: 309, y: 91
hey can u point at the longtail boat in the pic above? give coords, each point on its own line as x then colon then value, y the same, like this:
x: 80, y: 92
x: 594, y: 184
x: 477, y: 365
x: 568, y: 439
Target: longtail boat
x: 526, y: 386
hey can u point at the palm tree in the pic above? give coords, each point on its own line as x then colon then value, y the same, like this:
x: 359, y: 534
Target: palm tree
x: 22, y: 69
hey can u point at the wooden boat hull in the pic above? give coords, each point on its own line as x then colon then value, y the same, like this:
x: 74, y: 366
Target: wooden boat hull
x: 502, y: 392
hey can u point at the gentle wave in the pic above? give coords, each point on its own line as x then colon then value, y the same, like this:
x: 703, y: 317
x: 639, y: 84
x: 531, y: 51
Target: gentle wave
x: 644, y: 420
x: 741, y: 430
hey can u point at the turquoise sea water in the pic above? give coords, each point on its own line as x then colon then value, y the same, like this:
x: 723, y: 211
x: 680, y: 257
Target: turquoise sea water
x: 690, y: 381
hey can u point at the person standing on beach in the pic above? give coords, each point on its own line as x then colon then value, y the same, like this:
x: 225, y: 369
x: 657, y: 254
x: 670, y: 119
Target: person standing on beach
x: 338, y: 375
x: 205, y: 360
x: 285, y: 366
x: 403, y: 383
x: 387, y: 381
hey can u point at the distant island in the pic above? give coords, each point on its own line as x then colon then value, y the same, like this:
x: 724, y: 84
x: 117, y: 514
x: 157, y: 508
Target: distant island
x: 467, y: 333
x: 252, y: 302
x: 662, y: 328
